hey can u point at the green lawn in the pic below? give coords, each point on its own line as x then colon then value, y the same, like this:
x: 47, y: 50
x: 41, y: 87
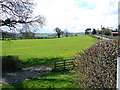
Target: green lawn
x: 44, y: 51
x: 52, y: 80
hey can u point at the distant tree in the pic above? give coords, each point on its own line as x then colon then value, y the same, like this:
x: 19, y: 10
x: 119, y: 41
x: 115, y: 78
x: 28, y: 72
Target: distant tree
x: 66, y: 32
x: 7, y: 34
x: 87, y: 31
x: 59, y: 32
x: 28, y: 35
x: 103, y: 28
x: 3, y: 35
x: 76, y: 35
x: 116, y: 30
x: 97, y: 31
x: 106, y: 31
x: 94, y: 31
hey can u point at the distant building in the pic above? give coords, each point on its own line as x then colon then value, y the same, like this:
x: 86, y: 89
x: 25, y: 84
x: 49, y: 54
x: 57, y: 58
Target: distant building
x: 114, y: 33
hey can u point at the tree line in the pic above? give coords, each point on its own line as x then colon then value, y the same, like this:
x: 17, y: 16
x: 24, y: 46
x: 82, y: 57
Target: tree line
x: 104, y: 31
x: 29, y: 35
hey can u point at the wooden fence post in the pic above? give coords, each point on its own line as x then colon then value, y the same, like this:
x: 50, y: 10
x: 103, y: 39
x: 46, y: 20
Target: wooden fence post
x: 64, y: 64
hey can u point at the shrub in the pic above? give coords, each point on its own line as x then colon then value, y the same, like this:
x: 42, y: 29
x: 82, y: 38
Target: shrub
x: 106, y: 32
x: 94, y: 31
x: 10, y: 63
x: 97, y: 65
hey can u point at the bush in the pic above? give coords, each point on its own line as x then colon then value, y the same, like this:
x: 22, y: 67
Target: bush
x: 10, y: 63
x: 97, y: 65
x: 94, y: 31
x: 106, y: 32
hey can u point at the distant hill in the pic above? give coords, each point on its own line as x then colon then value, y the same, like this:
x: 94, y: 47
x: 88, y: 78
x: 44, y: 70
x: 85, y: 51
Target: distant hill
x: 79, y: 33
x: 43, y: 33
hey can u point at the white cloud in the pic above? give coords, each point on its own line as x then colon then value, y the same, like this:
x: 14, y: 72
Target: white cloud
x: 69, y: 14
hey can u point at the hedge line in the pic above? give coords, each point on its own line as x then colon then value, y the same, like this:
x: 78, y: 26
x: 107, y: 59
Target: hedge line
x: 97, y: 65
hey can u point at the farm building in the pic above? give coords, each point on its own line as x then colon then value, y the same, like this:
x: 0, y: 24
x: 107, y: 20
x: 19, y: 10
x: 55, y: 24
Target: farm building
x: 114, y: 33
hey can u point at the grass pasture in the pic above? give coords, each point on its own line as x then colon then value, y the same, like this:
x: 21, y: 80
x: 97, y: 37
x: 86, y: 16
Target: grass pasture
x: 52, y: 80
x: 44, y: 51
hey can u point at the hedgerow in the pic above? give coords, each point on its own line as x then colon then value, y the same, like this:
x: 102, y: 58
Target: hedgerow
x: 97, y: 65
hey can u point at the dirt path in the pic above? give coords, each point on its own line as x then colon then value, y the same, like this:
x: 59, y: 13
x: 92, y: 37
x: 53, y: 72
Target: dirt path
x: 25, y: 74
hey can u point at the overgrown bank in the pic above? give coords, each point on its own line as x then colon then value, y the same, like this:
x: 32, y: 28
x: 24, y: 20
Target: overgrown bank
x: 97, y: 65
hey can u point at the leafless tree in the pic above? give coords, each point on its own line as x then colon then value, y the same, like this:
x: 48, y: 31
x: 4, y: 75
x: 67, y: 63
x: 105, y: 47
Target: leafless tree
x: 58, y: 31
x: 66, y: 32
x: 16, y: 13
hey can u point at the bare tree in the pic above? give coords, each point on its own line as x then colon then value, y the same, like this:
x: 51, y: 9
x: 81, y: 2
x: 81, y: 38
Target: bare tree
x: 14, y: 13
x: 28, y: 35
x: 59, y: 32
x: 66, y: 32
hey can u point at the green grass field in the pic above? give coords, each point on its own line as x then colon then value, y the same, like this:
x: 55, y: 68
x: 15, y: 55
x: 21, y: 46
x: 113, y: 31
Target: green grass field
x: 52, y: 80
x: 44, y: 51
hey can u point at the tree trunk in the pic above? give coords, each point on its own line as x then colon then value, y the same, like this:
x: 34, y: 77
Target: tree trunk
x: 3, y: 37
x: 58, y: 35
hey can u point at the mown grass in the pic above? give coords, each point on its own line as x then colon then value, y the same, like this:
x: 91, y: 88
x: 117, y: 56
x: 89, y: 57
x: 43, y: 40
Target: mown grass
x: 43, y: 51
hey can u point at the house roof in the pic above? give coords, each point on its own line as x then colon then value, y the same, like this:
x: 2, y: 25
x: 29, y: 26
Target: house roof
x: 115, y: 32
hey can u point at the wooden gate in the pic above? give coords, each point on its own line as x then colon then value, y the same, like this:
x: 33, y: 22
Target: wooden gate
x: 63, y: 65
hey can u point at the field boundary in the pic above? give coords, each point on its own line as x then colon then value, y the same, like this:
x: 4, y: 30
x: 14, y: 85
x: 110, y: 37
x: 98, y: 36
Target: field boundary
x: 67, y: 64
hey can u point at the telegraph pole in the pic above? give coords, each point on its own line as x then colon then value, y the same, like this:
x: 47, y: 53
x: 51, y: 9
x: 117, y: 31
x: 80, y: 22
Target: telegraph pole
x: 101, y: 27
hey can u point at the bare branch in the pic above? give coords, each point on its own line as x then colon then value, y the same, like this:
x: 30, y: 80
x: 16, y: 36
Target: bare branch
x: 19, y: 12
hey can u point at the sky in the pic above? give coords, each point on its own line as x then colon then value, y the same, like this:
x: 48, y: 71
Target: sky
x: 77, y: 15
